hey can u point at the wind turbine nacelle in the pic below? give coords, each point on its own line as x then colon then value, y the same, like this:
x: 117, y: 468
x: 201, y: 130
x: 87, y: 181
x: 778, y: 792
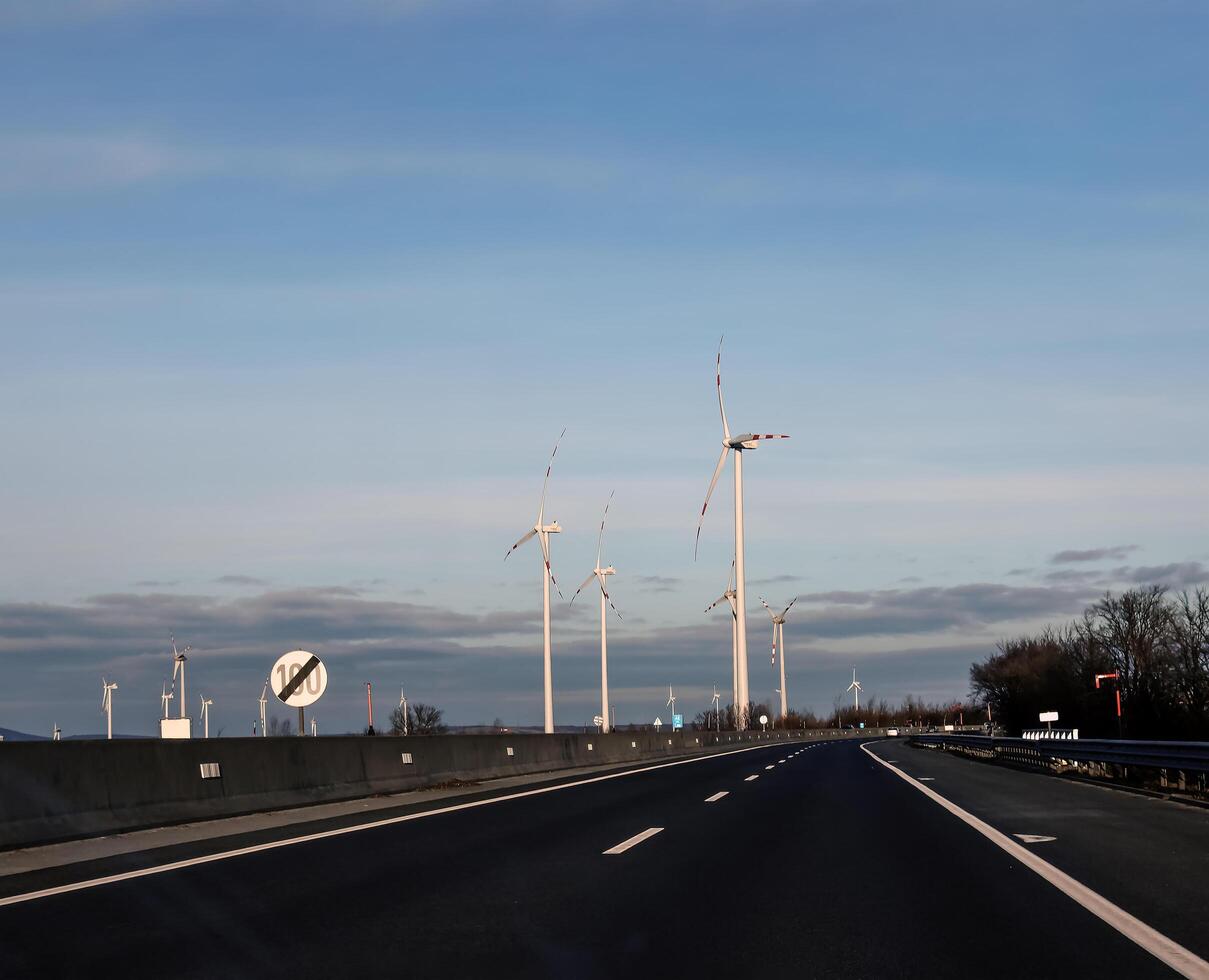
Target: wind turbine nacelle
x: 552, y: 528
x: 745, y: 441
x: 610, y: 570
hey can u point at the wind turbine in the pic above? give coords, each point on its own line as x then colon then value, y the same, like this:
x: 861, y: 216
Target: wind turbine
x: 403, y: 710
x: 855, y: 688
x: 107, y: 690
x: 178, y: 663
x: 671, y: 703
x: 165, y: 697
x: 717, y: 702
x: 778, y: 625
x: 739, y: 444
x: 263, y: 700
x: 543, y: 531
x: 205, y: 712
x: 599, y: 574
x: 729, y: 596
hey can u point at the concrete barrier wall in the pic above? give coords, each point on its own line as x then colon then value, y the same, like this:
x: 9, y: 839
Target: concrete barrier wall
x: 60, y: 790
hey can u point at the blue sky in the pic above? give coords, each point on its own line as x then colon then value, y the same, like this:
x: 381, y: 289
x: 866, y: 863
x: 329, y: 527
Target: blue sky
x: 294, y: 299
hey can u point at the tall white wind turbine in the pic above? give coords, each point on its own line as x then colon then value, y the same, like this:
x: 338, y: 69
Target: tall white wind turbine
x: 599, y: 573
x: 205, y: 713
x: 855, y: 688
x: 542, y: 531
x: 671, y: 703
x: 107, y: 690
x: 739, y: 444
x: 778, y: 629
x: 178, y: 664
x: 729, y: 597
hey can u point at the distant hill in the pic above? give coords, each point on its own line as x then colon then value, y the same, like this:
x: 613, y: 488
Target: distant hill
x: 14, y: 736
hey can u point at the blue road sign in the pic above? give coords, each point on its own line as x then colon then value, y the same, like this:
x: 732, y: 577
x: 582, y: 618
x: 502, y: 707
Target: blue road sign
x: 677, y: 722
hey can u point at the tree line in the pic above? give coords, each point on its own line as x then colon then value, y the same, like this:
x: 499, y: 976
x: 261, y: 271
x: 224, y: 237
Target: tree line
x: 1157, y: 644
x: 878, y: 713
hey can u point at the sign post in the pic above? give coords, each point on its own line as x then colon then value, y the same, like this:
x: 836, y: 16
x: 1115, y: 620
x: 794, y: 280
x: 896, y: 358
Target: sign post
x: 298, y: 679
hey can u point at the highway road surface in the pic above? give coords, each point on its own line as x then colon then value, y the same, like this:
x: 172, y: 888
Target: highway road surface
x: 820, y: 861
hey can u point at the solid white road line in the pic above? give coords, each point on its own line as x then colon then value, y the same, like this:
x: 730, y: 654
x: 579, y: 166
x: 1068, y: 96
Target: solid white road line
x: 717, y: 796
x: 76, y: 886
x: 625, y: 845
x: 1183, y: 961
x: 750, y: 779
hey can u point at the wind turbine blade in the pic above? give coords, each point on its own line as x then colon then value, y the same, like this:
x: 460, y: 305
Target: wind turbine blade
x: 709, y: 493
x: 721, y: 407
x: 761, y: 438
x: 541, y: 510
x: 720, y: 599
x: 546, y: 556
x: 769, y: 608
x: 508, y: 553
x: 774, y: 641
x: 609, y: 599
x: 789, y: 607
x: 730, y: 582
x: 600, y: 538
x: 582, y: 587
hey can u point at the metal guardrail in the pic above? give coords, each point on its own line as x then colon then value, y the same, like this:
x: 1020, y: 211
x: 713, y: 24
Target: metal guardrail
x: 1177, y: 756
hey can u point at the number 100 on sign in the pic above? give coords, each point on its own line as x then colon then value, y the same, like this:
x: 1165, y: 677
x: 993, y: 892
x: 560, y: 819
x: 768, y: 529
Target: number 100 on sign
x: 298, y: 678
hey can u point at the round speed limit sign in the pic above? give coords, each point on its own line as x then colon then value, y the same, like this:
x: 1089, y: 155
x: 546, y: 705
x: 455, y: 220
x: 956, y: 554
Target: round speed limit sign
x: 298, y: 678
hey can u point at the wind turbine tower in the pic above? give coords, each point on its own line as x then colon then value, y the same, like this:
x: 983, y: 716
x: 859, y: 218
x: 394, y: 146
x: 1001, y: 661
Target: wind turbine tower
x: 778, y: 628
x: 107, y: 690
x: 542, y: 531
x: 738, y: 444
x: 855, y: 688
x: 599, y: 574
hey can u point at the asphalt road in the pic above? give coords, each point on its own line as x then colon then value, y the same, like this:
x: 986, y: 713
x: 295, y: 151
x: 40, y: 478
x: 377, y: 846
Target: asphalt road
x: 827, y: 865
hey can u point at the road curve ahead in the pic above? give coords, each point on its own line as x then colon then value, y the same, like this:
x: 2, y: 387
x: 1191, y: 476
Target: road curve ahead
x: 819, y: 860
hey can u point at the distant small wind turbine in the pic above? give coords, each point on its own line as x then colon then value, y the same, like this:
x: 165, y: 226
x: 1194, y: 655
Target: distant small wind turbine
x: 205, y: 713
x: 403, y: 711
x: 263, y: 700
x: 599, y: 574
x: 542, y: 531
x: 717, y: 702
x: 729, y: 597
x: 778, y: 626
x: 165, y: 697
x: 107, y: 690
x: 671, y: 703
x: 738, y: 444
x: 855, y: 688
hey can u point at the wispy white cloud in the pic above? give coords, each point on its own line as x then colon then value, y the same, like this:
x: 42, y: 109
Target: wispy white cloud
x: 84, y: 162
